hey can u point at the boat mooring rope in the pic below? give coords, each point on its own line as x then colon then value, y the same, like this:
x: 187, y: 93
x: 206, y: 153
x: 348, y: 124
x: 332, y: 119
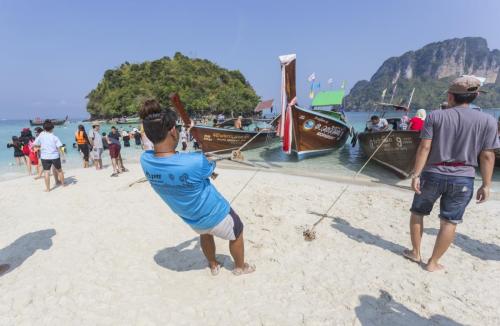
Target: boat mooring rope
x: 310, y: 234
x: 243, y: 188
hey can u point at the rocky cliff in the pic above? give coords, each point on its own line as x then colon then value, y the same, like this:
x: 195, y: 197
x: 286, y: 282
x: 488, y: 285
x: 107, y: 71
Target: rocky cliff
x: 429, y: 70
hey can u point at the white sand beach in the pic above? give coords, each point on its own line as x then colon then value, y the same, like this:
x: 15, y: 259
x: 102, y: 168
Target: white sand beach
x: 99, y: 252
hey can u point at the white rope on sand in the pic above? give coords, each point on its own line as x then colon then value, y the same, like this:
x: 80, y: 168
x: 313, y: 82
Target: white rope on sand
x: 310, y: 234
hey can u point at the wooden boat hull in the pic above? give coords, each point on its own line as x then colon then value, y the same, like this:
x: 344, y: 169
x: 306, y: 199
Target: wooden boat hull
x: 316, y: 133
x: 398, y: 152
x: 222, y: 140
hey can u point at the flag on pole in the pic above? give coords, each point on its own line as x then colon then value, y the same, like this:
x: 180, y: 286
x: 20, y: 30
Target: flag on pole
x: 312, y: 77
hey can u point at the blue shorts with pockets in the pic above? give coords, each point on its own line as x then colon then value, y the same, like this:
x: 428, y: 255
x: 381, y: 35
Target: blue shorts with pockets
x: 455, y: 192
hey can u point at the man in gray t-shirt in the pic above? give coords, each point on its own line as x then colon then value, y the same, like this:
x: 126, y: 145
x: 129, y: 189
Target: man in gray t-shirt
x: 452, y: 141
x: 97, y: 145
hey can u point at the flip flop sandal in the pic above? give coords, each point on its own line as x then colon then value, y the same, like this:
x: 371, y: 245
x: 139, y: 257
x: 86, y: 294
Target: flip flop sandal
x: 247, y: 269
x: 408, y: 255
x: 215, y: 271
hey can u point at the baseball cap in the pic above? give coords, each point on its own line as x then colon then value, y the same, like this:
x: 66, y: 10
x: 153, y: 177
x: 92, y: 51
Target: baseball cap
x: 465, y: 85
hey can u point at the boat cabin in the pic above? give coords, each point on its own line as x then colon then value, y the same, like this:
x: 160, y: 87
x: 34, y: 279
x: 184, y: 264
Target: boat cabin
x: 330, y: 103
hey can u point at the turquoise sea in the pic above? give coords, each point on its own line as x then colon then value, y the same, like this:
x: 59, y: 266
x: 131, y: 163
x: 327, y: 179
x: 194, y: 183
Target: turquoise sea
x: 344, y: 162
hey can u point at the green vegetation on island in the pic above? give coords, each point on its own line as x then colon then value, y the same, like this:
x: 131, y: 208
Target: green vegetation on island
x: 202, y: 85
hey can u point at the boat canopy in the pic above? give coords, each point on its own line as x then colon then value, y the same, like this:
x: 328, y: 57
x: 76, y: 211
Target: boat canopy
x: 328, y: 98
x: 264, y: 105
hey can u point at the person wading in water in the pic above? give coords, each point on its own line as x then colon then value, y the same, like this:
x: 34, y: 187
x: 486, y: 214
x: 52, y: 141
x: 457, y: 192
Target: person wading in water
x: 451, y: 142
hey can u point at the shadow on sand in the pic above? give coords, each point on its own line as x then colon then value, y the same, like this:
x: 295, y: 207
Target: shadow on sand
x: 187, y: 256
x: 364, y: 236
x: 17, y: 252
x: 476, y: 248
x: 385, y: 311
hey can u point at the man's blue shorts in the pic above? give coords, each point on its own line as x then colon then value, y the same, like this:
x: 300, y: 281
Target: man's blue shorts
x: 455, y: 192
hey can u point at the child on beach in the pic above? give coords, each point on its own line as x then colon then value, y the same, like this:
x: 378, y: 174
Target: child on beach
x: 182, y: 181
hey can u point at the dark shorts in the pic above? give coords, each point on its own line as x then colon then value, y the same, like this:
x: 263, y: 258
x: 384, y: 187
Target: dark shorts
x: 47, y: 164
x: 455, y: 193
x: 114, y: 150
x: 84, y: 148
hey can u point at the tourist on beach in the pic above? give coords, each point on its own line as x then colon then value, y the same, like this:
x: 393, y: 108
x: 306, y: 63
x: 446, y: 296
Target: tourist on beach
x: 451, y: 142
x: 105, y: 144
x: 147, y: 145
x: 182, y: 181
x: 114, y: 150
x: 38, y: 131
x: 18, y: 152
x: 184, y: 138
x: 377, y: 124
x: 137, y: 137
x: 83, y: 143
x: 25, y: 139
x: 126, y: 138
x: 50, y: 154
x: 238, y: 124
x: 417, y: 122
x: 97, y: 145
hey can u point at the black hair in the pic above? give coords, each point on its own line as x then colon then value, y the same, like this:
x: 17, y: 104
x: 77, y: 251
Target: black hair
x: 38, y: 130
x: 157, y: 122
x: 48, y: 125
x: 464, y: 98
x: 113, y: 127
x: 374, y: 117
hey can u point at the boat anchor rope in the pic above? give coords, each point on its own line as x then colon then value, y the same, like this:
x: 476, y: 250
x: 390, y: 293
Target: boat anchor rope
x: 310, y: 234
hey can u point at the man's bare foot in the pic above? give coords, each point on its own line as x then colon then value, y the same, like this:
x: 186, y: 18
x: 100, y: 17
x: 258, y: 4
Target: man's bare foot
x: 4, y: 268
x: 411, y: 255
x: 46, y: 190
x: 247, y: 269
x: 433, y: 267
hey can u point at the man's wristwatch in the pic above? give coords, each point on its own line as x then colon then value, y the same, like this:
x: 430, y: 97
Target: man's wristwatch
x: 414, y: 176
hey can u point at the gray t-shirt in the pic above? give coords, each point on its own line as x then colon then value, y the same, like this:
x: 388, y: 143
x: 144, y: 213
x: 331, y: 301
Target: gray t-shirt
x: 458, y: 135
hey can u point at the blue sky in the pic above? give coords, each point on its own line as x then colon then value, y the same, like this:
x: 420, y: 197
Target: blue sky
x: 52, y: 53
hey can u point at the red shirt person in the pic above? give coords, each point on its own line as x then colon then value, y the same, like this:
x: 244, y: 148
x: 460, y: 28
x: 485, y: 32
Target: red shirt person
x: 417, y: 122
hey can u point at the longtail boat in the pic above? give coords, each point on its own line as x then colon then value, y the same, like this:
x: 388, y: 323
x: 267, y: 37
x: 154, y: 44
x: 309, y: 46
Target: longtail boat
x: 56, y: 122
x: 131, y: 120
x: 224, y: 138
x: 314, y: 131
x: 399, y: 150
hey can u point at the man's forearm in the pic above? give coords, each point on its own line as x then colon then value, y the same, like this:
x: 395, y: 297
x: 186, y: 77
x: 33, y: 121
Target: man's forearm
x: 486, y: 166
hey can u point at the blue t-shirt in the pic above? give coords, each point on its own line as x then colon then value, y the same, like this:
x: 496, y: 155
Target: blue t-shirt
x: 182, y: 181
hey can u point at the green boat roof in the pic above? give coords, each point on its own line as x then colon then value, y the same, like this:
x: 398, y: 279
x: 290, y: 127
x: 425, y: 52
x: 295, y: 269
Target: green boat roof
x: 328, y: 98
